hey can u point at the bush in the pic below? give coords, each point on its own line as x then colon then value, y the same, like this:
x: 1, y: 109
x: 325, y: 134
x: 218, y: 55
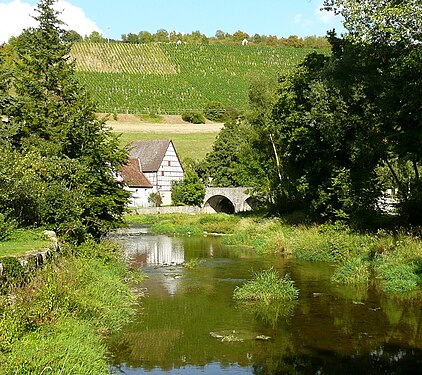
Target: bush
x: 193, y: 117
x: 215, y: 111
x: 6, y: 228
x: 13, y: 273
x: 190, y: 191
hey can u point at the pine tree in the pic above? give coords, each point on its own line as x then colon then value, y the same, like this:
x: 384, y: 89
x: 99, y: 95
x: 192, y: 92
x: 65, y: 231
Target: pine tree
x: 53, y: 118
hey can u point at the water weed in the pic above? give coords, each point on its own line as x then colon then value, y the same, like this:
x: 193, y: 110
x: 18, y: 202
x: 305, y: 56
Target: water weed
x: 353, y: 271
x: 267, y: 286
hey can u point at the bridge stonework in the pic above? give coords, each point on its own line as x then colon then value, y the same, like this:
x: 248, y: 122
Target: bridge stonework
x: 229, y: 200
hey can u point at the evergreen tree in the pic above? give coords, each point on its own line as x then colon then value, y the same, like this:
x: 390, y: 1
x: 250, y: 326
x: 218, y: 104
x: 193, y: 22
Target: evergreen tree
x: 51, y: 117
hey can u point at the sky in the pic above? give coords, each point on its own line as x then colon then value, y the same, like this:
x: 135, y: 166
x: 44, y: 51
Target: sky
x: 112, y: 18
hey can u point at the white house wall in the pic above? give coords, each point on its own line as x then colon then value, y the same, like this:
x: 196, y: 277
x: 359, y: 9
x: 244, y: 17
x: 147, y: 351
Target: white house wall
x: 139, y: 196
x: 169, y: 171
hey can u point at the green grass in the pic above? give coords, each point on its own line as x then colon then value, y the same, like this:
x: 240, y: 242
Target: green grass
x: 394, y: 259
x: 169, y: 79
x: 267, y: 287
x: 191, y: 145
x: 57, y: 321
x: 22, y: 241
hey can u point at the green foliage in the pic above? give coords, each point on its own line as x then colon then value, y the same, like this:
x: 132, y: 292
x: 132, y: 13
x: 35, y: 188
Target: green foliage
x: 215, y: 111
x: 194, y: 117
x: 57, y: 320
x: 334, y: 122
x: 60, y: 161
x: 226, y: 164
x: 13, y: 274
x: 353, y: 271
x: 155, y: 199
x: 190, y: 191
x: 71, y: 347
x: 6, y: 228
x: 376, y: 21
x: 267, y: 287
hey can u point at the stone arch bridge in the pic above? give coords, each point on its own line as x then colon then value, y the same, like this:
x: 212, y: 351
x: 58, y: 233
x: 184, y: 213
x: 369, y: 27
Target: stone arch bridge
x: 228, y: 200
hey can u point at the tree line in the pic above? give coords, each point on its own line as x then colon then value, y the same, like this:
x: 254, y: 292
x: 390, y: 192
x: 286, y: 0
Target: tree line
x: 196, y: 37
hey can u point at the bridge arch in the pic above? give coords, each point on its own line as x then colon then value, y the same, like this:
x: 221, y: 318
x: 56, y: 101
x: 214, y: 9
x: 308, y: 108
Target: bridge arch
x: 220, y: 203
x: 228, y: 200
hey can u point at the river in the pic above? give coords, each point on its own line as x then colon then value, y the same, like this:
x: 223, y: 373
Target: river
x: 188, y: 322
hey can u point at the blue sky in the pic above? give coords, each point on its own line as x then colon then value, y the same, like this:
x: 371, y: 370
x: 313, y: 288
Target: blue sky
x: 113, y: 18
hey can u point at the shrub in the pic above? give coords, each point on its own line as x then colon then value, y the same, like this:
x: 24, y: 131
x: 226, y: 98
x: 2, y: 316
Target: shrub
x: 267, y: 287
x: 155, y: 199
x: 190, y: 191
x: 194, y: 117
x: 13, y: 273
x: 6, y: 228
x: 215, y: 111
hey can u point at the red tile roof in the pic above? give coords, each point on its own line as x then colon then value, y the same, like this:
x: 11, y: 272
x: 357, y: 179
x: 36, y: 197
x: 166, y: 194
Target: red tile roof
x: 132, y: 175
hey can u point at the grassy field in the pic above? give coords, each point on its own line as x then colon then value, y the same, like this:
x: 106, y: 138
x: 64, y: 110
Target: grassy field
x: 22, y: 241
x: 169, y: 79
x: 191, y: 141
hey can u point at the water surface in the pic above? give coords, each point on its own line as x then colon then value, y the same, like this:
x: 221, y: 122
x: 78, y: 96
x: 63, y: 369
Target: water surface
x: 189, y: 324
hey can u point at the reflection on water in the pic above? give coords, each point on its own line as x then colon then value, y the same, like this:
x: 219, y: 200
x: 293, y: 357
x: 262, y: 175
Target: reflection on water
x: 189, y: 324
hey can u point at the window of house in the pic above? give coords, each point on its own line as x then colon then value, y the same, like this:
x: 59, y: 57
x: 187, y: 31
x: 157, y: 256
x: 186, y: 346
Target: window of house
x: 162, y: 173
x: 169, y: 163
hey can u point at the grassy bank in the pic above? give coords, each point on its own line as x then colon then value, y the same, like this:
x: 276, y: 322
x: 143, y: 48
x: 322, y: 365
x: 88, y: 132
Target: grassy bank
x: 19, y: 241
x: 55, y: 324
x: 393, y: 261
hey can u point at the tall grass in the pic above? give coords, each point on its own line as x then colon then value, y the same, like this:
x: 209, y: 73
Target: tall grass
x: 56, y: 322
x: 267, y: 287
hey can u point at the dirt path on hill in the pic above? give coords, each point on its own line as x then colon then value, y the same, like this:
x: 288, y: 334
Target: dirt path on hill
x: 168, y: 124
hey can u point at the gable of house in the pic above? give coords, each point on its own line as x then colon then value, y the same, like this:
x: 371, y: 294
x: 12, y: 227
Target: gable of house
x: 150, y: 153
x: 159, y: 163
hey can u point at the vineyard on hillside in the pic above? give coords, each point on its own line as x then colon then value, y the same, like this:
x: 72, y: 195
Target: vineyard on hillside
x: 166, y: 78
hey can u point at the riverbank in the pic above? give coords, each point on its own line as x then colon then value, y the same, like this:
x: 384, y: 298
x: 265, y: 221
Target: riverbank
x: 56, y: 322
x: 391, y: 261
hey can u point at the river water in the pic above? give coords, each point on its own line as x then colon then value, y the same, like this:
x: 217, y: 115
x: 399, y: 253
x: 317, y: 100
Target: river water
x: 188, y: 322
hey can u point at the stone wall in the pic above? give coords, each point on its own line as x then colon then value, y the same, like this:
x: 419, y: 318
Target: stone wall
x: 34, y: 259
x: 167, y: 210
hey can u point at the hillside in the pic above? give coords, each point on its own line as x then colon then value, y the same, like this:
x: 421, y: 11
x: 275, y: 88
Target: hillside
x: 169, y: 79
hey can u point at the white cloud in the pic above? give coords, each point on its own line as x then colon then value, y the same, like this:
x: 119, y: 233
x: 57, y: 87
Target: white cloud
x: 302, y: 21
x: 16, y: 16
x: 327, y: 18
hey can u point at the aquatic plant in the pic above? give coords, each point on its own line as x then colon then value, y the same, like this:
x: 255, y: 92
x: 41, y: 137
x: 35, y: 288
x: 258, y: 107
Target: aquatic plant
x: 267, y: 286
x: 352, y: 271
x: 192, y: 263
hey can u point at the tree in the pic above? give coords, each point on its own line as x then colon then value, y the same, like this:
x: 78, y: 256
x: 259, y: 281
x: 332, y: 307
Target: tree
x: 190, y: 191
x: 226, y: 165
x: 95, y: 37
x: 71, y: 36
x: 161, y: 36
x: 380, y: 21
x: 74, y: 156
x: 145, y: 37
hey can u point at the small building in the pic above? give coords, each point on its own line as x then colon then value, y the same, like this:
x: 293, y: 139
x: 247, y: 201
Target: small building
x: 153, y: 166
